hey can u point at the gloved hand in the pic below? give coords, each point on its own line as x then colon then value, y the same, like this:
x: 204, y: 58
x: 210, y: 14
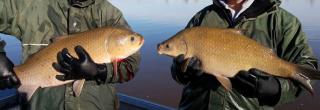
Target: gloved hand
x: 193, y: 69
x: 8, y: 78
x: 256, y: 83
x: 82, y: 68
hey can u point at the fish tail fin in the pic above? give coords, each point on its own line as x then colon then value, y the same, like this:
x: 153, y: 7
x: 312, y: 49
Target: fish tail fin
x: 308, y: 71
x: 77, y: 87
x: 304, y: 81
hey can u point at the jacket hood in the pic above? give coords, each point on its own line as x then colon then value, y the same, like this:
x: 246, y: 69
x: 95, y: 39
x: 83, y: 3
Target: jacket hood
x: 257, y: 8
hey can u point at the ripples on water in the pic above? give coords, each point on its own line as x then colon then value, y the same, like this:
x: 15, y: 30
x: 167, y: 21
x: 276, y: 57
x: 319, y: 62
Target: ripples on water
x: 157, y: 20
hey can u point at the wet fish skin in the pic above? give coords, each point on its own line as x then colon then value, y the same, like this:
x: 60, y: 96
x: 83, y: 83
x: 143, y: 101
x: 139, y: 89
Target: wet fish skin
x: 104, y: 45
x: 224, y: 52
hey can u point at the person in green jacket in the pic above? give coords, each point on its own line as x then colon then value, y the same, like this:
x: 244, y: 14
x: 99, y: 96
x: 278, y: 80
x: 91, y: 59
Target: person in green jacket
x: 268, y: 24
x: 35, y: 22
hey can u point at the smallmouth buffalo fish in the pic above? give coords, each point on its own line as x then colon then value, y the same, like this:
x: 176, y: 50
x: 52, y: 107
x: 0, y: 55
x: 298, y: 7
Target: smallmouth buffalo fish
x: 225, y: 52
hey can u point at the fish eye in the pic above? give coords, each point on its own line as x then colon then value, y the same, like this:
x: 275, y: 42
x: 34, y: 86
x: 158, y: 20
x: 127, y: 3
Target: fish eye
x: 132, y: 39
x: 167, y: 46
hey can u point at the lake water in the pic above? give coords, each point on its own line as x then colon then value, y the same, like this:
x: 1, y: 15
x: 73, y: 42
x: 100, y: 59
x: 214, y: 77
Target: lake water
x: 157, y: 20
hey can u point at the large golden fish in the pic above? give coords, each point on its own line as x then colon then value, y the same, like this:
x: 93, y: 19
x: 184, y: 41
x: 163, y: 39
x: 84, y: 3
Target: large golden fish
x: 104, y: 45
x: 224, y: 52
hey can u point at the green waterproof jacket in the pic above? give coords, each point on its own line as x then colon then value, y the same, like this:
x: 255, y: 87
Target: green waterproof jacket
x: 35, y: 22
x: 268, y: 24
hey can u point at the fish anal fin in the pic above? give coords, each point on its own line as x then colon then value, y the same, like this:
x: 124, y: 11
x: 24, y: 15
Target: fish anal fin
x: 304, y: 81
x: 27, y: 91
x: 304, y: 74
x: 225, y: 82
x: 77, y: 87
x: 185, y: 65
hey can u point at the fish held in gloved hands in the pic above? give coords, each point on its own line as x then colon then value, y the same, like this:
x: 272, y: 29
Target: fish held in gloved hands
x: 104, y: 45
x: 225, y: 52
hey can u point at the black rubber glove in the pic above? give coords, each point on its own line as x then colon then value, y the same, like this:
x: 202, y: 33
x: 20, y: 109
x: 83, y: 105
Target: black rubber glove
x: 8, y: 78
x: 82, y: 68
x: 256, y: 83
x: 193, y: 69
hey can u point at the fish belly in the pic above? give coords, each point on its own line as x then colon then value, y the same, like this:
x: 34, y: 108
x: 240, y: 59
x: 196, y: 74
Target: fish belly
x: 33, y: 76
x: 37, y: 71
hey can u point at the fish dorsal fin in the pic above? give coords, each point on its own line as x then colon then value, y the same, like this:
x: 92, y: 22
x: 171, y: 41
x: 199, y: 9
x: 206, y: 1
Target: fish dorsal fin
x: 225, y: 82
x: 55, y: 39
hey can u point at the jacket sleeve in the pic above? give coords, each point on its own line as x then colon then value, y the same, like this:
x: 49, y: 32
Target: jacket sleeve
x: 8, y: 25
x: 128, y: 67
x: 293, y: 47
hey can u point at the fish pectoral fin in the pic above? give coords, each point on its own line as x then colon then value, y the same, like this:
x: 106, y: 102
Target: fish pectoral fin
x: 115, y: 67
x: 77, y: 87
x: 185, y: 65
x: 225, y: 82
